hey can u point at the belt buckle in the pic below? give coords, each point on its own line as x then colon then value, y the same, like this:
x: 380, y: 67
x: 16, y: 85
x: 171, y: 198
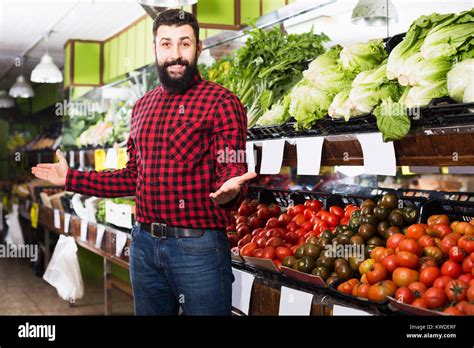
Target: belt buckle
x: 158, y: 230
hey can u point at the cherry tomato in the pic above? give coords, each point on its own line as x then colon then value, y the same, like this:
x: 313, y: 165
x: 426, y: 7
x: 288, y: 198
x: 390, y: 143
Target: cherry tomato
x: 338, y: 211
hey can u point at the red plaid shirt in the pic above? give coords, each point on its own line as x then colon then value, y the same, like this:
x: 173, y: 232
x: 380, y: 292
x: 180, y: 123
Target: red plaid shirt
x: 173, y: 150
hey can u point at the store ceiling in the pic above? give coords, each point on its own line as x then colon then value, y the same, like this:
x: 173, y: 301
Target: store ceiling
x: 24, y: 22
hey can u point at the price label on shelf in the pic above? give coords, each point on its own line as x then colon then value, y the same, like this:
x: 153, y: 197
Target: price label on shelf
x: 341, y: 310
x: 308, y: 153
x: 272, y: 156
x: 99, y: 159
x: 34, y: 215
x: 57, y: 219
x: 111, y: 159
x: 84, y: 225
x: 100, y: 236
x: 122, y: 157
x: 71, y: 159
x: 82, y: 160
x: 250, y: 156
x: 295, y: 302
x: 120, y: 241
x: 379, y: 157
x: 241, y: 290
x: 67, y: 219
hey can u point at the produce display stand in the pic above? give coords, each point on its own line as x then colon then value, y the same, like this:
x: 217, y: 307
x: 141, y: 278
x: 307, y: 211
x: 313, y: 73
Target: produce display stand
x: 107, y: 250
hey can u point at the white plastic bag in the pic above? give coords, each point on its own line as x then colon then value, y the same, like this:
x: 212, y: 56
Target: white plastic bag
x: 14, y: 235
x: 63, y: 271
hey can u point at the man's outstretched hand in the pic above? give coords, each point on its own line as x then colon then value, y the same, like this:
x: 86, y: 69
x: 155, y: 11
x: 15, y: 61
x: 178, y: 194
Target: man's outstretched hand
x: 231, y: 188
x: 55, y: 173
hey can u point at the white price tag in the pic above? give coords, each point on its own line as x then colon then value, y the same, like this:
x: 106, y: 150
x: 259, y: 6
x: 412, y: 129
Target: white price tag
x: 71, y: 159
x: 82, y: 155
x: 341, y: 310
x: 308, y: 152
x: 250, y: 154
x: 272, y: 156
x: 100, y: 236
x: 295, y: 302
x: 111, y: 160
x: 120, y: 241
x: 84, y: 225
x: 67, y: 219
x: 379, y: 157
x: 57, y: 219
x: 241, y: 290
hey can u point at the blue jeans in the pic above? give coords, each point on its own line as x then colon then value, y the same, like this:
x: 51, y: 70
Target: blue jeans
x: 194, y: 273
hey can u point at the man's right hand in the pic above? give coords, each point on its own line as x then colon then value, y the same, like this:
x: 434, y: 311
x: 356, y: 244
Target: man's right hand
x: 55, y: 173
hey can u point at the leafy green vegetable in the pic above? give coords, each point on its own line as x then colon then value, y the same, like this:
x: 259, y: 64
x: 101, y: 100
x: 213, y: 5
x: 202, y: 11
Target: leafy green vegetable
x: 269, y: 65
x: 339, y: 107
x: 460, y: 76
x: 308, y: 104
x: 277, y: 115
x: 423, y: 71
x: 422, y: 95
x: 363, y: 56
x: 392, y: 120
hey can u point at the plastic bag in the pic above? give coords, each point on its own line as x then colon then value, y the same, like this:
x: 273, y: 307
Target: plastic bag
x: 63, y: 271
x: 14, y: 235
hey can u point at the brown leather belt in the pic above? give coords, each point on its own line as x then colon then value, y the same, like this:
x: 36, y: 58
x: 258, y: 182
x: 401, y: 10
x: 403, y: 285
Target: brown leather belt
x: 160, y: 230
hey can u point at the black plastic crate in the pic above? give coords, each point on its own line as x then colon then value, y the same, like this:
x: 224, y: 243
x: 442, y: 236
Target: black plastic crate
x: 456, y: 210
x: 442, y: 112
x: 358, y: 124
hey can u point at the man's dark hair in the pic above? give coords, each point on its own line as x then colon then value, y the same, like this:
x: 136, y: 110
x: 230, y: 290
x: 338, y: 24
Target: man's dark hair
x: 178, y: 18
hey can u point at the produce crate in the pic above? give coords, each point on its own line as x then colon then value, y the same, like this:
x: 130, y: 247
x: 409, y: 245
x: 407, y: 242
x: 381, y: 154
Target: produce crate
x: 442, y: 112
x: 392, y: 42
x: 358, y: 124
x: 456, y: 211
x: 285, y: 130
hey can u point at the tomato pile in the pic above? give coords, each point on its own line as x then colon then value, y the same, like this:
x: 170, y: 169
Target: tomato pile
x: 428, y: 265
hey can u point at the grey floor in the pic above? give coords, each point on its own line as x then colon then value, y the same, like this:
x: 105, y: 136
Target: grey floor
x: 23, y: 293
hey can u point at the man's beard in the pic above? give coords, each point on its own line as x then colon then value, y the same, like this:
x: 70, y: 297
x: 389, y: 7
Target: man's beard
x: 177, y: 85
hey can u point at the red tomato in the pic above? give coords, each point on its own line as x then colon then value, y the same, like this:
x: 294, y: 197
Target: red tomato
x: 269, y: 253
x: 344, y: 221
x: 299, y: 219
x: 467, y: 265
x: 291, y: 212
x: 275, y: 242
x: 441, y: 282
x: 257, y: 253
x: 245, y: 210
x: 438, y: 219
x: 292, y: 227
x: 456, y: 290
x: 407, y: 259
x: 410, y: 245
x: 248, y: 249
x: 380, y: 290
x: 284, y: 219
x: 272, y: 223
x: 314, y: 204
x: 470, y: 293
x: 417, y: 288
x: 451, y: 269
x: 307, y: 226
x: 394, y: 240
x: 457, y: 254
x: 420, y: 303
x: 467, y: 243
x: 449, y: 241
x: 452, y: 311
x: 299, y: 209
x: 427, y: 262
x: 261, y: 241
x: 308, y: 214
x: 415, y: 231
x: 293, y: 249
x: 404, y: 295
x: 275, y: 210
x: 433, y: 252
x: 390, y: 263
x: 300, y: 232
x: 462, y: 306
x: 282, y: 252
x: 429, y: 275
x: 337, y: 211
x: 331, y: 219
x: 426, y: 240
x: 291, y: 237
x: 434, y: 298
x: 403, y: 276
x: 442, y: 230
x: 264, y: 213
x: 466, y: 278
x: 349, y: 209
x: 376, y: 274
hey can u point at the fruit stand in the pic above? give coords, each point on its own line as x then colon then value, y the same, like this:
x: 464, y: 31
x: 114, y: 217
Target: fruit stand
x: 316, y: 107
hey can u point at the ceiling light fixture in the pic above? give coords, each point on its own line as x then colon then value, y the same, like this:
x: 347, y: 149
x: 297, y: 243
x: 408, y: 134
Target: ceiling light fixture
x: 46, y: 71
x: 5, y: 101
x: 21, y: 88
x: 374, y: 12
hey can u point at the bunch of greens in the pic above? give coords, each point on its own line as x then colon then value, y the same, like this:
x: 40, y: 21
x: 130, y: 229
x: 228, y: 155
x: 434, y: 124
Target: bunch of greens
x: 269, y: 65
x: 363, y: 56
x: 460, y: 78
x: 278, y: 114
x: 74, y: 126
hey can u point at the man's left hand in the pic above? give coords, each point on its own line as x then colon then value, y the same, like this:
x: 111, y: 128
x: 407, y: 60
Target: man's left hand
x: 231, y: 188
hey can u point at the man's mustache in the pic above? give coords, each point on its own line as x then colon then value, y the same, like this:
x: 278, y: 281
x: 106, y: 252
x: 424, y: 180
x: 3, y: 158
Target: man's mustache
x: 176, y: 62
